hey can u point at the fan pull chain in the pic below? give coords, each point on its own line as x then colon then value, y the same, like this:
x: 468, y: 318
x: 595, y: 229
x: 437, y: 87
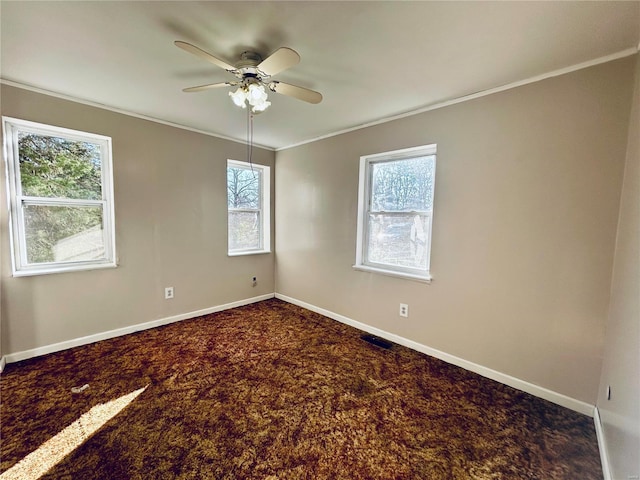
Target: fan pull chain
x: 250, y: 140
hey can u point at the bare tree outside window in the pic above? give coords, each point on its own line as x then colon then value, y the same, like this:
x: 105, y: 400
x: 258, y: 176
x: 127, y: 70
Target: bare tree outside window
x: 243, y: 188
x: 401, y: 196
x: 396, y: 203
x: 245, y: 203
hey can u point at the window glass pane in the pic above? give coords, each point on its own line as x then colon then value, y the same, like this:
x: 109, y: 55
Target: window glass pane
x: 63, y: 234
x: 402, y: 185
x: 58, y: 167
x: 243, y: 187
x: 399, y: 240
x: 244, y: 231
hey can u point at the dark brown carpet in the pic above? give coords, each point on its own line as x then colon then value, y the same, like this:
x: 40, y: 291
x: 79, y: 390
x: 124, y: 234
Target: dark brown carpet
x: 273, y: 391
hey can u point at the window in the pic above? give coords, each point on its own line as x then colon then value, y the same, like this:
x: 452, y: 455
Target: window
x: 248, y: 203
x: 60, y: 194
x: 395, y: 211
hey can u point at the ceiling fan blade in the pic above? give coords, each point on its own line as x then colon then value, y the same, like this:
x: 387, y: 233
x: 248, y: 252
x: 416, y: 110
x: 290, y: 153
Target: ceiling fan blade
x: 204, y: 55
x: 207, y: 87
x: 300, y: 93
x: 279, y: 61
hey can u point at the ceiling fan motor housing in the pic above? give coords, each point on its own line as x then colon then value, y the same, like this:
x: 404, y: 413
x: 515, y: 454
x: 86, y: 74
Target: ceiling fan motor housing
x: 247, y: 66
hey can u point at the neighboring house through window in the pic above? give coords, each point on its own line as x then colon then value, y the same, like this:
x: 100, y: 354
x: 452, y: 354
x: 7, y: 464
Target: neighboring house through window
x: 248, y: 204
x: 60, y: 188
x: 395, y: 211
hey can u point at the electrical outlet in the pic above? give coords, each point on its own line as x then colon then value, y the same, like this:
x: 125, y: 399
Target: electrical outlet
x: 254, y: 281
x: 404, y: 310
x: 168, y: 293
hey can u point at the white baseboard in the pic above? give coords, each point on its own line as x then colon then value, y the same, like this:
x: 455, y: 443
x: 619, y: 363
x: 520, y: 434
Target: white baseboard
x: 76, y: 342
x: 541, y: 392
x: 602, y: 445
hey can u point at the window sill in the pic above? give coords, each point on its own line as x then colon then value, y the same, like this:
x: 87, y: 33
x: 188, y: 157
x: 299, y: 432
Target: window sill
x: 63, y: 269
x: 392, y: 273
x: 249, y: 252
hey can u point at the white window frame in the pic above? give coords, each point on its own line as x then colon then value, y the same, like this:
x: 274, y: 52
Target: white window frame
x: 17, y: 201
x: 264, y: 210
x: 364, y: 207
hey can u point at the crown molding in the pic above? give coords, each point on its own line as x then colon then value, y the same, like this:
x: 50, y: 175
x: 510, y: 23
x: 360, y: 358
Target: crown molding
x: 435, y: 106
x: 82, y: 101
x: 472, y: 96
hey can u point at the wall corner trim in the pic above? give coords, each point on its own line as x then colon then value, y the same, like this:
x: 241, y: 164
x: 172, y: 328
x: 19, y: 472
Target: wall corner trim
x: 76, y: 342
x: 602, y: 445
x: 535, y: 390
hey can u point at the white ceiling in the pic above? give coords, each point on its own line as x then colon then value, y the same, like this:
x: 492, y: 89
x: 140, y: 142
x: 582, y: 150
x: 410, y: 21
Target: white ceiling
x: 370, y: 60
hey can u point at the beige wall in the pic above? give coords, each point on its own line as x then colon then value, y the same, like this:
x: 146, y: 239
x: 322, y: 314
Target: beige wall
x: 526, y: 204
x: 527, y: 195
x: 170, y: 205
x: 621, y: 365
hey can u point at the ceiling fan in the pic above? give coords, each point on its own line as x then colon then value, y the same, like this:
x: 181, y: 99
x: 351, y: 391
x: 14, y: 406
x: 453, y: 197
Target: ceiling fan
x: 254, y: 77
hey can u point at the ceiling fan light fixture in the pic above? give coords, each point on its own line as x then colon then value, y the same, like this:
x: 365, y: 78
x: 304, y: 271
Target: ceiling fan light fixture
x: 256, y: 93
x: 253, y: 94
x: 260, y: 107
x: 239, y: 97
